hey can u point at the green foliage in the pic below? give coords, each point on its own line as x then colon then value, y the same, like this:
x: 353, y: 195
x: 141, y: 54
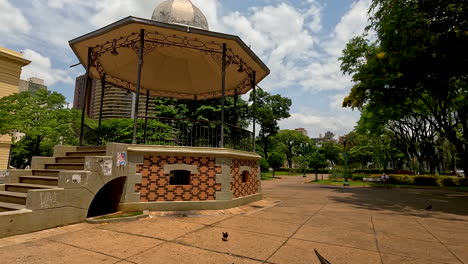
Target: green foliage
x: 413, y: 80
x: 41, y: 116
x: 425, y: 180
x: 264, y: 166
x: 331, y: 151
x: 292, y: 143
x: 276, y: 160
x: 269, y: 110
x: 236, y: 110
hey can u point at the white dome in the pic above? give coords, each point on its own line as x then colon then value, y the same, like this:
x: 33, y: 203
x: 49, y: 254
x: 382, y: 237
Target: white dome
x: 181, y: 12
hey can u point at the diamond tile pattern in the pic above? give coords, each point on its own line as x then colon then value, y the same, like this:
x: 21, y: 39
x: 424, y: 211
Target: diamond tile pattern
x: 155, y: 184
x: 250, y: 187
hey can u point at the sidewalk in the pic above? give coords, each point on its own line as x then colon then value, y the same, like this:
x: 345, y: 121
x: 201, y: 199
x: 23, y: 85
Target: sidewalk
x: 346, y: 225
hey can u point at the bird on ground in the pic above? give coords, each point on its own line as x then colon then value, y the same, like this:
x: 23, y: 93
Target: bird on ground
x: 429, y: 207
x: 322, y: 259
x: 225, y: 236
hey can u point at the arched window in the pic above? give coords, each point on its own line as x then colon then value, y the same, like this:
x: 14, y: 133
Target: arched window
x: 245, y: 176
x: 179, y: 177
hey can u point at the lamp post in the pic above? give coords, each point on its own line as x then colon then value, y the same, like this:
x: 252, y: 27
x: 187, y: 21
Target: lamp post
x: 345, y: 156
x: 304, y: 158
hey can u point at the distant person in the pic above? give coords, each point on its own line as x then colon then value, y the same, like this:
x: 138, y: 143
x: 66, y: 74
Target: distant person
x: 384, y: 178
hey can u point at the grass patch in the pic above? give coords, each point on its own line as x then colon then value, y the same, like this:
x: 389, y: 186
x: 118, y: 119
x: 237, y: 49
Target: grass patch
x: 120, y: 215
x: 340, y: 181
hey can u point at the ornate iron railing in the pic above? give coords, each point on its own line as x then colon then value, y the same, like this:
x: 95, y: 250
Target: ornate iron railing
x: 176, y: 132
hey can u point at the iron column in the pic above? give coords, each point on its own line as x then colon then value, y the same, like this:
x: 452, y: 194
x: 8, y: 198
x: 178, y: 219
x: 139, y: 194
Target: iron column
x: 138, y: 84
x: 223, y: 90
x: 146, y: 116
x: 87, y: 84
x: 103, y: 86
x: 254, y: 111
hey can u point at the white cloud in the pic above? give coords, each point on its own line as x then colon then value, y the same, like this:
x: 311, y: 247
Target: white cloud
x: 12, y: 19
x: 41, y: 67
x: 316, y: 122
x: 350, y: 25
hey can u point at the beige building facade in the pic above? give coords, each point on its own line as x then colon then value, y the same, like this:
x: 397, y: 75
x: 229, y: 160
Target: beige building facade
x: 11, y: 63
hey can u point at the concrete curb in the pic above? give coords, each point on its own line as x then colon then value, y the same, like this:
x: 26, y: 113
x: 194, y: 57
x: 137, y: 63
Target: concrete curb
x: 94, y: 220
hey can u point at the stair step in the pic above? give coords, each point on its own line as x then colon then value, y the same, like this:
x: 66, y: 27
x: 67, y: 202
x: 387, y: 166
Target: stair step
x: 5, y: 207
x: 47, y: 173
x: 25, y: 187
x: 90, y: 148
x: 40, y: 180
x: 65, y: 166
x: 86, y: 153
x: 13, y: 197
x: 70, y: 159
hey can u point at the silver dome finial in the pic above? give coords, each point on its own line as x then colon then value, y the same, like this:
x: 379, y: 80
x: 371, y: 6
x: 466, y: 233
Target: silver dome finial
x: 181, y: 12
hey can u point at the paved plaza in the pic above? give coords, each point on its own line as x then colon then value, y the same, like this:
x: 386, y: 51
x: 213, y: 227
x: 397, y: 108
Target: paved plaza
x: 346, y: 225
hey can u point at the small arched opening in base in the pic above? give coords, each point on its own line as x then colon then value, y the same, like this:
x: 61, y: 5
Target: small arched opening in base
x: 108, y: 198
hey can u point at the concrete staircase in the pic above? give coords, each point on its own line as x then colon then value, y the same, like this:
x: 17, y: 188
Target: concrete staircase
x: 14, y: 194
x: 58, y: 190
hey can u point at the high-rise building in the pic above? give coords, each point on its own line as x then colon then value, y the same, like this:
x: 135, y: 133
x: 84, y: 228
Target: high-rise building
x: 11, y: 63
x: 32, y: 85
x: 302, y: 131
x: 118, y: 102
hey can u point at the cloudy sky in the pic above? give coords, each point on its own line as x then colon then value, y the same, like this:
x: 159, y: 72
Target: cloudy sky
x: 299, y: 40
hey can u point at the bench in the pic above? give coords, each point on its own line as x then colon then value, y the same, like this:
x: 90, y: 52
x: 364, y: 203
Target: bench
x: 371, y: 180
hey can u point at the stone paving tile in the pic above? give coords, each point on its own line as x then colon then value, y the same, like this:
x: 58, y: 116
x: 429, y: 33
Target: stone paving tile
x: 45, y: 252
x: 363, y: 224
x: 394, y: 259
x: 460, y: 251
x: 175, y: 253
x: 281, y: 217
x: 309, y: 210
x: 430, y: 251
x: 163, y: 228
x: 337, y: 236
x: 407, y: 227
x: 257, y: 246
x: 107, y: 242
x: 8, y: 241
x: 263, y: 226
x: 203, y: 220
x: 298, y: 252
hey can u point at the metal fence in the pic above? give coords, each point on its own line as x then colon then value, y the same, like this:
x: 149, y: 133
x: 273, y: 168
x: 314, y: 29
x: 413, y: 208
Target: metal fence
x: 175, y: 132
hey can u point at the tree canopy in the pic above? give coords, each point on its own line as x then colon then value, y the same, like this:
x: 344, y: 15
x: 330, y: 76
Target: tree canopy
x: 42, y: 117
x: 414, y: 78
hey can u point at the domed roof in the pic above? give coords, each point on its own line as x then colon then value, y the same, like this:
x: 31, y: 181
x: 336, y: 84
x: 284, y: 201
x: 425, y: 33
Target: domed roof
x: 181, y: 12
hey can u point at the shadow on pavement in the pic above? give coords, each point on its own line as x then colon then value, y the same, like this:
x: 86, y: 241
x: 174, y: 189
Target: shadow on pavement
x: 404, y: 201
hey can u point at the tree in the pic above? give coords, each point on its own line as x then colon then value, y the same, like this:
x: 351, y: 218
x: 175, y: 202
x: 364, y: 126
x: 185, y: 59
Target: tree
x: 276, y: 161
x: 331, y: 151
x: 269, y: 110
x: 317, y: 162
x: 418, y: 60
x: 41, y: 116
x: 236, y: 110
x: 292, y: 142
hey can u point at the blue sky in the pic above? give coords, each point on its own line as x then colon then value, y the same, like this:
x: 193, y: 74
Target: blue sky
x: 300, y: 40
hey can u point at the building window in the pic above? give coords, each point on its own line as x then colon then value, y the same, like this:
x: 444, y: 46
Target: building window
x: 245, y: 176
x: 179, y: 177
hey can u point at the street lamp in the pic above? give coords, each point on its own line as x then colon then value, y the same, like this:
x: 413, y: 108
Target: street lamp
x: 304, y: 158
x: 345, y: 156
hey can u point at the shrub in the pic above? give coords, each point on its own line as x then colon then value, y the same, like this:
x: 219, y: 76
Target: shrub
x: 463, y: 182
x: 448, y: 181
x: 401, y: 179
x: 425, y: 180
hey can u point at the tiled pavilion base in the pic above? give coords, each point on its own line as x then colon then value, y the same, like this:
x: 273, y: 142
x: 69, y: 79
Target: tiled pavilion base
x: 214, y: 178
x: 346, y: 225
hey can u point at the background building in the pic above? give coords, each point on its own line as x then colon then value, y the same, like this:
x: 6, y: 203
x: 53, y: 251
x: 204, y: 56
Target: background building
x: 31, y: 85
x: 118, y: 102
x: 302, y: 131
x: 11, y: 63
